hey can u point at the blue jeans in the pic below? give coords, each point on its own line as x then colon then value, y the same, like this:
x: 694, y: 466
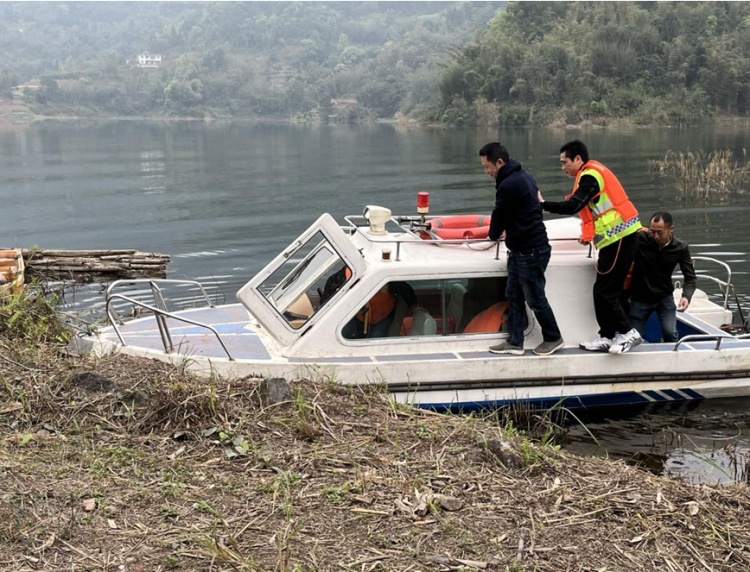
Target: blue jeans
x: 666, y: 311
x: 526, y: 284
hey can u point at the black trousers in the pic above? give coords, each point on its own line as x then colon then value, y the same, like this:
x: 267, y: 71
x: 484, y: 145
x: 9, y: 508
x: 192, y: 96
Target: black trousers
x: 611, y: 270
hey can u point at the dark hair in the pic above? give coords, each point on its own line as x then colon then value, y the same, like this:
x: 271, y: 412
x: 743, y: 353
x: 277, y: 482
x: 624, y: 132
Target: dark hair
x: 575, y: 148
x: 494, y: 151
x: 662, y: 215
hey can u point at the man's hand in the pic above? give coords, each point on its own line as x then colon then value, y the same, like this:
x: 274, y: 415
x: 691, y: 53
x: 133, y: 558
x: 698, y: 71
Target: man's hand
x: 684, y: 303
x: 539, y: 196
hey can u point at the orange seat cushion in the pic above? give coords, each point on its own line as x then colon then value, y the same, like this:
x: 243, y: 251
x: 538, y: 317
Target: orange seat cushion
x: 489, y: 320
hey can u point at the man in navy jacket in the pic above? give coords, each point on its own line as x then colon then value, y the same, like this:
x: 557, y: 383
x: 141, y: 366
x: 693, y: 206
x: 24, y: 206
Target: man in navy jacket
x: 517, y: 213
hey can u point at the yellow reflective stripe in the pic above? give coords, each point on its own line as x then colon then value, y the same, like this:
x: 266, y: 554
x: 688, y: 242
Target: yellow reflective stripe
x: 597, y: 175
x: 607, y: 220
x: 602, y: 206
x: 604, y: 203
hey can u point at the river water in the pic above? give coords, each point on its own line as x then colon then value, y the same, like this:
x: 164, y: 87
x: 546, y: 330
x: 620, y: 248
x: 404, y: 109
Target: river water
x: 223, y: 198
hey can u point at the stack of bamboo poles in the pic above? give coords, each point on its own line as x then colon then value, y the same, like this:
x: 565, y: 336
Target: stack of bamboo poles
x: 90, y: 265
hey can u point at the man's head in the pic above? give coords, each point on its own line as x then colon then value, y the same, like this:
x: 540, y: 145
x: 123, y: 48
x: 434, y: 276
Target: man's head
x: 572, y: 157
x: 661, y: 227
x: 494, y: 157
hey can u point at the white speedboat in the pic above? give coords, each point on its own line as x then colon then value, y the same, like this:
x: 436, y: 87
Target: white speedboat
x: 311, y: 313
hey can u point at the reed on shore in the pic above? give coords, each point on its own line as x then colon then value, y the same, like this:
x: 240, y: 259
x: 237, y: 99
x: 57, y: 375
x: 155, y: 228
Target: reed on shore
x: 705, y: 176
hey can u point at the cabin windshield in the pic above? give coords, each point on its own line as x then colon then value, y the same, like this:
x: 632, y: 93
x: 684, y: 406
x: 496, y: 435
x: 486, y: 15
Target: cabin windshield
x: 302, y: 284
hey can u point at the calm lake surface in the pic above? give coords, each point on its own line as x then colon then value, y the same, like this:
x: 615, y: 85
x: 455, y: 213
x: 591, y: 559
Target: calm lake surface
x: 223, y: 198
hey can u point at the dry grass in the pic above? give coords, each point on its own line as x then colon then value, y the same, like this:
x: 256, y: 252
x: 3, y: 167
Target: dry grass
x: 703, y: 176
x: 126, y: 464
x: 121, y: 464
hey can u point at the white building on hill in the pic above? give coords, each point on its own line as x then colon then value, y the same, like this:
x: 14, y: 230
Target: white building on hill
x: 146, y: 60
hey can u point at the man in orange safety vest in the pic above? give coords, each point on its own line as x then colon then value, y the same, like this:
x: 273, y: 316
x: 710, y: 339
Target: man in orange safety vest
x: 610, y: 222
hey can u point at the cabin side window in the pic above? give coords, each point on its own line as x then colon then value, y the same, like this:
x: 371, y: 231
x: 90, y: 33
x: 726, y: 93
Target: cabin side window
x: 306, y: 281
x: 432, y: 308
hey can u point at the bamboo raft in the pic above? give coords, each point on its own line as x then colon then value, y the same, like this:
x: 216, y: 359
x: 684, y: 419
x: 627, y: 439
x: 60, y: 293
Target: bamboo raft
x: 92, y: 265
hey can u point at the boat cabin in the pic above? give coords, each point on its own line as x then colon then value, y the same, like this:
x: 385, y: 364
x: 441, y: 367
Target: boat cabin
x: 397, y: 289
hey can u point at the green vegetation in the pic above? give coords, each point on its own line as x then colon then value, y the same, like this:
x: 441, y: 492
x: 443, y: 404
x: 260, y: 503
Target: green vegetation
x: 701, y: 175
x: 534, y: 63
x: 29, y: 318
x: 655, y: 63
x: 283, y: 59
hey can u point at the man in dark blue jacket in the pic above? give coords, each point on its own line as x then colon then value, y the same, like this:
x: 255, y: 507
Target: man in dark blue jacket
x: 517, y: 213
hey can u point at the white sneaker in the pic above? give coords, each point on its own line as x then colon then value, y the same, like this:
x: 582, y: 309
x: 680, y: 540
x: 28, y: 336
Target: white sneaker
x: 625, y: 342
x: 600, y: 344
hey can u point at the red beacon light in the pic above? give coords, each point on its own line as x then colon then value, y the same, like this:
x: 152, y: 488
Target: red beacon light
x: 423, y: 202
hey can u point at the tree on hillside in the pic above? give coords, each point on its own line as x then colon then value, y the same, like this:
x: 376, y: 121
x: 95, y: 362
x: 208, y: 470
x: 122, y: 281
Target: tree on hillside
x: 246, y: 58
x: 663, y: 61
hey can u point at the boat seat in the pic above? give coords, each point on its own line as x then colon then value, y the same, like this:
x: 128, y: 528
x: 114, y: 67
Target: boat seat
x: 399, y: 315
x: 453, y: 313
x: 455, y: 309
x: 422, y: 324
x: 490, y: 320
x: 299, y: 311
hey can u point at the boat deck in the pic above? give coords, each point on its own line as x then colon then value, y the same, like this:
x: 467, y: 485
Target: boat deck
x: 232, y: 323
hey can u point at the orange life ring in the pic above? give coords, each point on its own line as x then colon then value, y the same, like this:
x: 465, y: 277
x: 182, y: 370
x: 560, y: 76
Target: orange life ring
x: 460, y: 226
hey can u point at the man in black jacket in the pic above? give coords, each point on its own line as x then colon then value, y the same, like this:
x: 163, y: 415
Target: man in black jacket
x: 518, y: 214
x: 651, y: 288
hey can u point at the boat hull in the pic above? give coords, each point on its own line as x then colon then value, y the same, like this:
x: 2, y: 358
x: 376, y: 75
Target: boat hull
x: 452, y: 377
x: 305, y: 316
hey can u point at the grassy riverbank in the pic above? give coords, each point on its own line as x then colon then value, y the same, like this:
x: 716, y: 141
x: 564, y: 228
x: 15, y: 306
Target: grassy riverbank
x: 126, y: 464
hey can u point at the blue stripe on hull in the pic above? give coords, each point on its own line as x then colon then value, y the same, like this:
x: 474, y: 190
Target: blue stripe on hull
x: 577, y: 402
x: 673, y: 394
x: 692, y: 393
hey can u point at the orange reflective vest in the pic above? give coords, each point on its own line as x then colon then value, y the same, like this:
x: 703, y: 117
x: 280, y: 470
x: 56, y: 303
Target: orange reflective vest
x: 613, y: 216
x: 377, y: 309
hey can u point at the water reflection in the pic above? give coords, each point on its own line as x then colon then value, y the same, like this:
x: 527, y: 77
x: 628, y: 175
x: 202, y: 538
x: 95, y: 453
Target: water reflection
x: 697, y: 441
